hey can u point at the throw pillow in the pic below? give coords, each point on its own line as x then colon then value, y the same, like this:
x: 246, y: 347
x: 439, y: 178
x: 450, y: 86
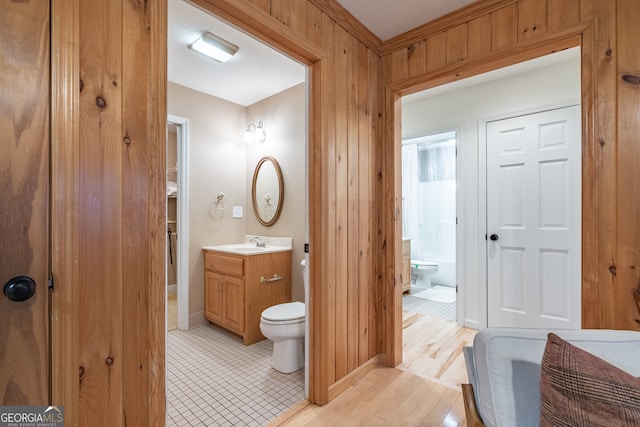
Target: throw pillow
x: 580, y: 389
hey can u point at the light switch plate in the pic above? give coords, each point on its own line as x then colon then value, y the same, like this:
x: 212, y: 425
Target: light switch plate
x: 237, y: 211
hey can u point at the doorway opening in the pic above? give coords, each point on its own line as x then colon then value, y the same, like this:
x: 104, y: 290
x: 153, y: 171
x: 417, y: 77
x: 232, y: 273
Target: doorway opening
x: 466, y: 106
x: 177, y: 277
x: 429, y: 223
x: 217, y: 166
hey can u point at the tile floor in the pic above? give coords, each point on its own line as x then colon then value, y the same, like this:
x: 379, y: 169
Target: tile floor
x: 215, y: 380
x: 428, y: 307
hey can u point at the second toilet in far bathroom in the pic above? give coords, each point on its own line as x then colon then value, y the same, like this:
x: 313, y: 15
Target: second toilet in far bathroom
x: 422, y: 271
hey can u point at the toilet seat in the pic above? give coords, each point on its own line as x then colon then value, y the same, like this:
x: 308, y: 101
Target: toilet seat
x: 284, y: 314
x: 415, y: 263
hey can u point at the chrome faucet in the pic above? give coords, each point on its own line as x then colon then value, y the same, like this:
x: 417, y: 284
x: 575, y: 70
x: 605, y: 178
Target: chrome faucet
x: 259, y: 242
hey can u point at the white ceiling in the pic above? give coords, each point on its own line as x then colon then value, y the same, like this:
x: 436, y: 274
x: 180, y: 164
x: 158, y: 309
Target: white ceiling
x: 388, y: 18
x: 257, y: 71
x: 254, y: 73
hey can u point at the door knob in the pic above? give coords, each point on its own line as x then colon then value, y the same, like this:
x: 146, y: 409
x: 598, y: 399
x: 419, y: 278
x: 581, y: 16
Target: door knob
x: 20, y: 288
x: 494, y: 237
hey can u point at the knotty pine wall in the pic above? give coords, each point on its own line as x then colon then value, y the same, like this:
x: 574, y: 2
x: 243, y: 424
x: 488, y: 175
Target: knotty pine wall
x: 494, y: 33
x: 108, y: 210
x: 121, y: 170
x: 108, y: 160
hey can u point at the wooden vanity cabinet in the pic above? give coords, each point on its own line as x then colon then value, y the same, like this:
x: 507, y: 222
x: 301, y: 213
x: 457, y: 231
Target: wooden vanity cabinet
x: 234, y: 294
x: 406, y: 265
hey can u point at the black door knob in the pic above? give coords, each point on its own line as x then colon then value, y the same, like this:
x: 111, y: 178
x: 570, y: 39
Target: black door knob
x: 494, y: 237
x: 20, y: 288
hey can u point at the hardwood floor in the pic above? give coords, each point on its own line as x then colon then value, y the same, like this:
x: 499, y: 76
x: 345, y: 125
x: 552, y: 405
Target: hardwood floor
x: 385, y: 397
x: 432, y: 349
x: 423, y: 391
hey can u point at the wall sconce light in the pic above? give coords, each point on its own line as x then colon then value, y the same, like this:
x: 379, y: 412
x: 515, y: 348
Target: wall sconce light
x: 254, y: 133
x: 214, y: 47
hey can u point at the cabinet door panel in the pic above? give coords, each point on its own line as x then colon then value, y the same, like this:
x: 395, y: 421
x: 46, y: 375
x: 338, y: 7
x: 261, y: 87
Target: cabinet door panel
x: 213, y: 297
x: 234, y: 304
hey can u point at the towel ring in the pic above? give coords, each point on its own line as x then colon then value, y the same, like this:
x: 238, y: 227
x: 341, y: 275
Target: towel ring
x: 269, y: 204
x: 221, y: 202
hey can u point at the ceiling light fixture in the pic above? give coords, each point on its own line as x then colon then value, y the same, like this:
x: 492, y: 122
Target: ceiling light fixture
x: 214, y: 47
x: 254, y: 133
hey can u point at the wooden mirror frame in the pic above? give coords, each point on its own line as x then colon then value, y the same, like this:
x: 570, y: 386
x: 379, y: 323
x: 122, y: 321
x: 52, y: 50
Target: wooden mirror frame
x: 278, y: 210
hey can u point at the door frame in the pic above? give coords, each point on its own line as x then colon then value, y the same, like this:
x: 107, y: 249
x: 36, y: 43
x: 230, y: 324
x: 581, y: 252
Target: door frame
x: 64, y: 236
x: 456, y: 127
x: 182, y: 218
x: 482, y: 194
x: 251, y: 20
x: 582, y: 35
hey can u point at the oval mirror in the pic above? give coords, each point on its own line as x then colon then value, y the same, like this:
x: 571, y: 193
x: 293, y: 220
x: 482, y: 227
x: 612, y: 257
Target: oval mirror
x: 267, y: 191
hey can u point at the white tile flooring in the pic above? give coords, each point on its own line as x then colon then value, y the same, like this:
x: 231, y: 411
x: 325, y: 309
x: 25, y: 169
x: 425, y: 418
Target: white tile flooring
x: 428, y: 307
x: 215, y: 380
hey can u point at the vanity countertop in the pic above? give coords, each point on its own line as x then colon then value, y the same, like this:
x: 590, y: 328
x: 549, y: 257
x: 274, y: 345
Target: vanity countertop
x: 249, y: 247
x: 246, y: 249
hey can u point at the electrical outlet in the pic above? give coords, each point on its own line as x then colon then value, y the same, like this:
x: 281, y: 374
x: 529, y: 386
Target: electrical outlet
x: 237, y: 211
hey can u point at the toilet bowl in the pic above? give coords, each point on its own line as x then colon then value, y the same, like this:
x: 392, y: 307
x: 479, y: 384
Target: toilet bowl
x: 422, y: 271
x: 284, y: 324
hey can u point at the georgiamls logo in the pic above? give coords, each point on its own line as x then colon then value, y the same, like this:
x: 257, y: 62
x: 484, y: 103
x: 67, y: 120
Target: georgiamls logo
x: 53, y: 408
x: 31, y: 416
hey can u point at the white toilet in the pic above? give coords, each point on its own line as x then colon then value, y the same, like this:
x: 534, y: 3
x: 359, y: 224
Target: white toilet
x: 422, y: 271
x: 284, y: 324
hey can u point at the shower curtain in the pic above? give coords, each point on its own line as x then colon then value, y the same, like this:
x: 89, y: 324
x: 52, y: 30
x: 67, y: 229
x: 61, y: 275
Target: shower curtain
x: 428, y: 198
x: 410, y: 220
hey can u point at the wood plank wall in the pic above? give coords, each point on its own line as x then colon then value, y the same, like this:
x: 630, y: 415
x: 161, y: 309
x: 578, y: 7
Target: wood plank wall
x: 108, y: 156
x: 627, y: 255
x: 108, y: 160
x: 494, y: 33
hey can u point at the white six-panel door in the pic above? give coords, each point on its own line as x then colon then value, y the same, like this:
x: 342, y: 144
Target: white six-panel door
x: 534, y: 218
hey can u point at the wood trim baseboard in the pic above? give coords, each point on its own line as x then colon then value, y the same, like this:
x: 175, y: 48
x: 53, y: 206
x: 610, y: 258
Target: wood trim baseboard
x: 341, y: 385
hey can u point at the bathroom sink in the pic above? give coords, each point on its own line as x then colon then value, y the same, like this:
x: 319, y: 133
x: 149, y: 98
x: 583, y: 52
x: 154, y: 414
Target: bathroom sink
x: 247, y: 249
x: 244, y: 249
